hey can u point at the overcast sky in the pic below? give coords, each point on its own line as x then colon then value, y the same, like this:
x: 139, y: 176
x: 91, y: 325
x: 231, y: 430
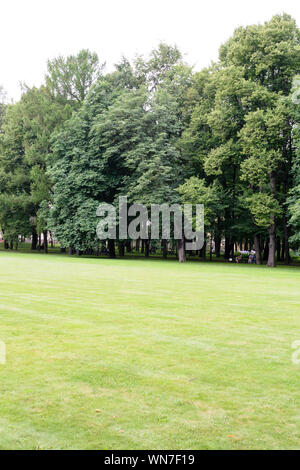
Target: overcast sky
x: 32, y: 31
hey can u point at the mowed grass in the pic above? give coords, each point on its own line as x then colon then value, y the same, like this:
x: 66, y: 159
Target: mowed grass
x: 147, y: 354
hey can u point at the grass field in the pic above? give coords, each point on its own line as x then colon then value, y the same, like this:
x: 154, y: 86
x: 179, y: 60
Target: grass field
x: 147, y: 354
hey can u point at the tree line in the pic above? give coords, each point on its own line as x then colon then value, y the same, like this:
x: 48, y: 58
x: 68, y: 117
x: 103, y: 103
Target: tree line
x: 153, y: 129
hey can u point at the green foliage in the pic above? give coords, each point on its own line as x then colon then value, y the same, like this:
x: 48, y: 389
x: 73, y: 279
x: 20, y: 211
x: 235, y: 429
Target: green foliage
x: 196, y: 191
x: 227, y: 136
x: 262, y: 206
x: 2, y: 106
x: 294, y: 195
x: 268, y: 53
x: 70, y: 78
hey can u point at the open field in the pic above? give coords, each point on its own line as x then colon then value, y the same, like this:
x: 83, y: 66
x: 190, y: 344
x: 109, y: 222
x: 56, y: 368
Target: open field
x: 147, y: 354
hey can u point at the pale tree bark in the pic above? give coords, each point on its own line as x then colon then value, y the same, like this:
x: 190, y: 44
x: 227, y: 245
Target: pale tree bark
x: 181, y: 250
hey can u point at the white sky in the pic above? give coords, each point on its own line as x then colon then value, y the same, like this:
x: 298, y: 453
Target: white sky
x: 31, y: 31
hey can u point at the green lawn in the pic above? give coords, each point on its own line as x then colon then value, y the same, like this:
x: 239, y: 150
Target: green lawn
x: 147, y: 354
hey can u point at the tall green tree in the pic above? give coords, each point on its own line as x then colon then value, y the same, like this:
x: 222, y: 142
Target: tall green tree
x: 16, y: 208
x: 294, y: 195
x: 269, y: 55
x: 88, y: 163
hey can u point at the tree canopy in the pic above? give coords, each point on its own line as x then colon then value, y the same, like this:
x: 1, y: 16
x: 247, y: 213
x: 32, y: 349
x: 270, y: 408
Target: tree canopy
x: 156, y: 131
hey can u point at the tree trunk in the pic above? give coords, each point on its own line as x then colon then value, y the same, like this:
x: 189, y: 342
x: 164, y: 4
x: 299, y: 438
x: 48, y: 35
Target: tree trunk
x: 147, y: 248
x: 6, y: 245
x: 62, y: 250
x: 51, y: 240
x: 45, y: 233
x: 111, y: 249
x: 34, y: 239
x: 181, y: 250
x: 272, y: 228
x: 266, y: 251
x: 121, y: 247
x: 11, y: 245
x: 228, y: 248
x: 272, y: 243
x: 286, y: 245
x: 164, y: 248
x: 203, y: 251
x: 70, y: 250
x: 217, y: 246
x: 257, y: 249
x: 278, y: 249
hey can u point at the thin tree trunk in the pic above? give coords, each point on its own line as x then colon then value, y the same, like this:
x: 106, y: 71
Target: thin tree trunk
x: 203, y: 251
x: 45, y: 241
x: 210, y: 249
x: 34, y: 239
x: 217, y: 246
x: 181, y: 250
x: 266, y: 251
x: 278, y: 249
x: 164, y: 249
x: 272, y: 229
x: 51, y: 240
x: 257, y: 249
x: 111, y: 249
x: 272, y: 243
x: 121, y: 247
x: 147, y: 248
x: 227, y: 247
x: 286, y: 250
